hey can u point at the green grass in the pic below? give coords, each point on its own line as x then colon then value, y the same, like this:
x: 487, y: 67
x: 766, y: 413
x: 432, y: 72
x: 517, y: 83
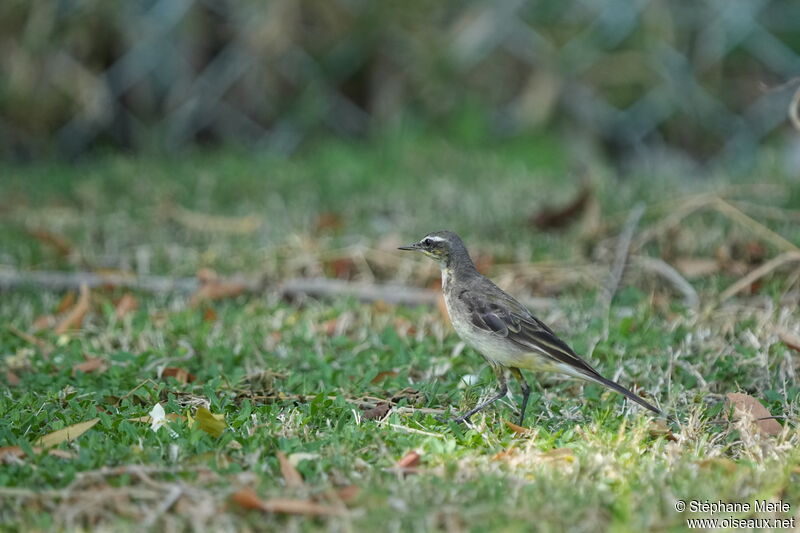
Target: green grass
x: 293, y: 377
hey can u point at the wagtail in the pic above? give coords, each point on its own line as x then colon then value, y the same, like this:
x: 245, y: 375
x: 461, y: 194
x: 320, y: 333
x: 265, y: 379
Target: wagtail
x: 500, y: 328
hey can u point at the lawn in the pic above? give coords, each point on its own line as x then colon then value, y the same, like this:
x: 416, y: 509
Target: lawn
x: 328, y: 407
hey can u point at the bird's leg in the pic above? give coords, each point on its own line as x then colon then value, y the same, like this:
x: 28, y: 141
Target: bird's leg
x: 526, y: 392
x: 502, y: 391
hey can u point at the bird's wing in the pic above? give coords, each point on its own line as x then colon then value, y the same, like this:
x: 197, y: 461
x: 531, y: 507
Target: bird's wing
x: 497, y: 313
x: 500, y: 314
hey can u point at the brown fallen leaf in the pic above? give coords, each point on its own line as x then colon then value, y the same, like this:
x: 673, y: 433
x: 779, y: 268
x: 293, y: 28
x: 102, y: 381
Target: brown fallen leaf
x: 214, y: 223
x: 378, y: 412
x: 515, y: 428
x: 558, y: 454
x: 290, y: 474
x: 659, y: 428
x: 380, y: 376
x: 213, y: 288
x: 409, y: 460
x: 341, y: 267
x: 791, y: 340
x: 67, y: 301
x: 719, y: 462
x: 181, y: 375
x: 10, y: 453
x: 91, y: 364
x: 695, y: 267
x: 745, y: 405
x: 125, y: 305
x: 504, y: 455
x: 68, y: 433
x: 74, y: 317
x: 209, y: 315
x: 549, y: 217
x: 58, y: 243
x: 12, y: 378
x: 348, y: 493
x: 328, y: 221
x: 248, y: 499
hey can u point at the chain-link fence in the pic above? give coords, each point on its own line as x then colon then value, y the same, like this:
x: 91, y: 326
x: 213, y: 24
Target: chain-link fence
x: 709, y: 77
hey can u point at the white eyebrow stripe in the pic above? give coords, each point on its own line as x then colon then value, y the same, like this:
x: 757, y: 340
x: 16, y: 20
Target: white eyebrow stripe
x: 434, y: 238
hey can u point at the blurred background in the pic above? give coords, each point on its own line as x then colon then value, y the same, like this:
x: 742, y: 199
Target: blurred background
x: 706, y: 80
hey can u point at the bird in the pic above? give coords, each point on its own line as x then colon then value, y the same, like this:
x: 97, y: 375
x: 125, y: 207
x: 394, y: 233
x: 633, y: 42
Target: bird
x: 501, y: 329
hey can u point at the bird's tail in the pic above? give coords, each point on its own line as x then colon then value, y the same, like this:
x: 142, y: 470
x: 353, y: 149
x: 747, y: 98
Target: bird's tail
x: 622, y: 390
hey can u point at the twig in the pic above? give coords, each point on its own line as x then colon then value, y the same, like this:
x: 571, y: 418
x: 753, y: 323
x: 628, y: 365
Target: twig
x: 620, y: 259
x: 413, y: 430
x: 755, y: 226
x: 169, y: 500
x: 293, y: 288
x: 758, y: 273
x: 668, y: 272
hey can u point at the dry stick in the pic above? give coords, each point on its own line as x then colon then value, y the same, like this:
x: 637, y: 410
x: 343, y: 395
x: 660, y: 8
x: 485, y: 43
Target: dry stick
x: 668, y: 272
x: 292, y: 288
x: 753, y: 225
x: 760, y: 272
x: 620, y: 260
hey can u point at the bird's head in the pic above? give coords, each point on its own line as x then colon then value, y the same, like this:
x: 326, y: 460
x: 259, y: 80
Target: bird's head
x: 444, y: 247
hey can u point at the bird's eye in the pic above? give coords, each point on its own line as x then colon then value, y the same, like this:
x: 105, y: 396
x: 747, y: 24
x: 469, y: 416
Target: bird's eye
x: 427, y: 241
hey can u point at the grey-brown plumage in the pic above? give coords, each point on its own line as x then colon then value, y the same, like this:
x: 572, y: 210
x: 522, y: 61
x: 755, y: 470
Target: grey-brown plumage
x: 499, y: 327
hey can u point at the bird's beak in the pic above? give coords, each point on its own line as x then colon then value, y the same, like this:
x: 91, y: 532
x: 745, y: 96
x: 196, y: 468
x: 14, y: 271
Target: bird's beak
x: 412, y: 247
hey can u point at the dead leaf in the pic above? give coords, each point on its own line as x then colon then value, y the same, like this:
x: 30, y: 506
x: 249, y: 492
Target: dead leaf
x: 409, y: 460
x: 549, y: 217
x: 213, y: 288
x: 9, y: 453
x: 68, y: 433
x: 58, y: 243
x: 181, y: 375
x: 248, y: 499
x: 74, y: 317
x: 410, y: 395
x: 125, y: 305
x: 12, y: 378
x: 329, y: 326
x: 558, y: 454
x: 328, y: 221
x: 91, y: 364
x: 720, y: 462
x: 695, y: 267
x: 659, y: 428
x: 209, y: 315
x: 341, y: 267
x: 383, y: 375
x: 504, y: 455
x: 67, y: 301
x: 44, y: 322
x: 348, y: 494
x: 791, y: 340
x: 290, y: 474
x: 214, y: 223
x: 515, y: 428
x: 745, y: 405
x: 378, y: 412
x: 212, y: 424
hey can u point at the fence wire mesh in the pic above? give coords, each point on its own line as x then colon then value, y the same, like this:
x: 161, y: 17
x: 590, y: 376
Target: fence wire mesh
x: 709, y: 77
